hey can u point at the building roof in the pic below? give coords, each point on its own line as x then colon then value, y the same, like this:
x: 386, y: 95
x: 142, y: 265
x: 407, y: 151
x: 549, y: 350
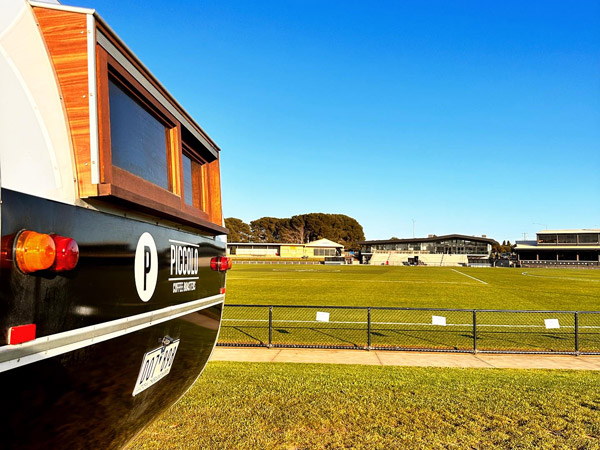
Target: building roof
x: 431, y: 239
x: 258, y: 243
x: 320, y: 243
x: 580, y: 231
x: 546, y: 247
x: 323, y: 243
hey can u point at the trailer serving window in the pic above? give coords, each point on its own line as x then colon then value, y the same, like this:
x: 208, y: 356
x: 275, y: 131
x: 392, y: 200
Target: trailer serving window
x: 195, y: 178
x: 188, y: 184
x: 147, y: 155
x: 137, y: 136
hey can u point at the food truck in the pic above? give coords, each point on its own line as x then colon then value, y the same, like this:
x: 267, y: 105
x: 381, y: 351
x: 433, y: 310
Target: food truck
x: 112, y: 261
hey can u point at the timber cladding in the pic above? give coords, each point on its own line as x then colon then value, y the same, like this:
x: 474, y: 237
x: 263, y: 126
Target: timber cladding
x: 66, y: 39
x: 214, y: 187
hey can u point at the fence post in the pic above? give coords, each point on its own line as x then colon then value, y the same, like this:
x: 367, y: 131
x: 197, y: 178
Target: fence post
x: 577, y: 333
x: 369, y: 328
x: 270, y: 326
x: 474, y: 331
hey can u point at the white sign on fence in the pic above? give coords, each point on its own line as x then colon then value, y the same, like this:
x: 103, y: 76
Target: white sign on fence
x: 438, y: 320
x: 322, y: 316
x: 551, y: 323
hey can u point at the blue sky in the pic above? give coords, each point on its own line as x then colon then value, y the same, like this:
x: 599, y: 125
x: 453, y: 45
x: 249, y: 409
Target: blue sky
x: 472, y: 117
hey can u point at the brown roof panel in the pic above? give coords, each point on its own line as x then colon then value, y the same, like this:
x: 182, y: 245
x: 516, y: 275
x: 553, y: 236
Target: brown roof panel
x: 431, y: 239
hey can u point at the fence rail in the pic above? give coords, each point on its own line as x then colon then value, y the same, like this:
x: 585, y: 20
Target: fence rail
x: 418, y: 329
x: 559, y: 263
x: 256, y: 261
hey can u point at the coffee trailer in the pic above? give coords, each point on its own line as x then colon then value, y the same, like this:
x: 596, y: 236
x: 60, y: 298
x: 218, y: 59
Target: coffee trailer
x: 112, y: 264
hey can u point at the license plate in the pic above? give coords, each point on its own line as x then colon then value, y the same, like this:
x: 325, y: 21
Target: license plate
x: 155, y: 366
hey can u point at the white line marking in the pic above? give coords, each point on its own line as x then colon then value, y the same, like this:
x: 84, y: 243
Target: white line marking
x: 476, y: 279
x: 469, y: 325
x: 184, y: 243
x: 311, y: 280
x: 184, y: 279
x: 559, y: 278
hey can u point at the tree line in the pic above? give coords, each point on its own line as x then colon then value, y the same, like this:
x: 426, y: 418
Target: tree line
x: 505, y: 247
x: 299, y: 229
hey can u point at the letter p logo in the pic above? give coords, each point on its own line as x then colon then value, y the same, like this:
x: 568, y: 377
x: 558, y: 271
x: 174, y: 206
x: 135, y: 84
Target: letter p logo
x: 147, y: 263
x: 146, y: 267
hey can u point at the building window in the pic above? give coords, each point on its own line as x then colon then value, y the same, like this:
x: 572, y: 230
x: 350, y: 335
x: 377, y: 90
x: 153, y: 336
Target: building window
x: 546, y: 238
x: 588, y: 238
x: 324, y: 252
x: 137, y: 137
x: 567, y: 239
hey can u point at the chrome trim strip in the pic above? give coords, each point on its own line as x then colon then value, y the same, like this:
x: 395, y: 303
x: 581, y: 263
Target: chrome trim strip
x: 140, y: 78
x: 92, y: 99
x: 12, y: 356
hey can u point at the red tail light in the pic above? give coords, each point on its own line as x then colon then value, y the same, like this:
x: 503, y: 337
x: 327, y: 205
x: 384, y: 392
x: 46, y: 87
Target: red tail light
x: 220, y: 263
x: 67, y: 253
x: 37, y: 251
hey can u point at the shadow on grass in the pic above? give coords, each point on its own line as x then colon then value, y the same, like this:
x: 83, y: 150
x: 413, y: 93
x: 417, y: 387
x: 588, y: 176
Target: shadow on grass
x: 375, y: 333
x: 338, y: 338
x: 352, y: 337
x: 240, y: 330
x: 524, y: 341
x: 429, y: 341
x: 301, y: 336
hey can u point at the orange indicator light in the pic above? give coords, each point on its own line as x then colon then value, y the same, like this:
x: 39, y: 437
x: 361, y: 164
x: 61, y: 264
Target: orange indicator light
x: 34, y: 251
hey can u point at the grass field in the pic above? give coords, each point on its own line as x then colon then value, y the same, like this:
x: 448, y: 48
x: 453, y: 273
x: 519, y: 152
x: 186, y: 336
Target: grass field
x: 435, y: 287
x: 308, y: 406
x: 538, y: 289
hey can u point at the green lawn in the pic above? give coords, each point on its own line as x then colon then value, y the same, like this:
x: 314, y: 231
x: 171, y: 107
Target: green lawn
x: 435, y: 287
x: 309, y: 406
x: 538, y: 289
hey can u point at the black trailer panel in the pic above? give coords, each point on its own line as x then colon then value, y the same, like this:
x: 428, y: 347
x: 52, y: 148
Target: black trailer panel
x: 103, y: 285
x: 137, y: 288
x: 83, y: 399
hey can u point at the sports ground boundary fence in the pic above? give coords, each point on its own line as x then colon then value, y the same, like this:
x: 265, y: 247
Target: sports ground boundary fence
x: 412, y: 329
x: 257, y: 262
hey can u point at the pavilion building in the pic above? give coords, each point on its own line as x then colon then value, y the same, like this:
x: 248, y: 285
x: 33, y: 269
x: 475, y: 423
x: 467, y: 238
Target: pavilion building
x: 318, y: 250
x: 447, y: 250
x: 553, y: 248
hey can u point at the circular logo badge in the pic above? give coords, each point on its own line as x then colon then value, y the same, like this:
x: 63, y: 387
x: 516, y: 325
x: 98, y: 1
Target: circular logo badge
x: 146, y: 266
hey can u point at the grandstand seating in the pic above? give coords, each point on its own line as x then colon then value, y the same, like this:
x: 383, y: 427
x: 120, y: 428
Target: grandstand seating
x: 399, y: 259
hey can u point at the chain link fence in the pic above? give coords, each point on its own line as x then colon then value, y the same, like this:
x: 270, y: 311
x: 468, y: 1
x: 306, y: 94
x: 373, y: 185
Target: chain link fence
x: 426, y: 329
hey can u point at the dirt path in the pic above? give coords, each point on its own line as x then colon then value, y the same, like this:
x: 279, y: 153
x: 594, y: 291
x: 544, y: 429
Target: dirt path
x: 393, y: 358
